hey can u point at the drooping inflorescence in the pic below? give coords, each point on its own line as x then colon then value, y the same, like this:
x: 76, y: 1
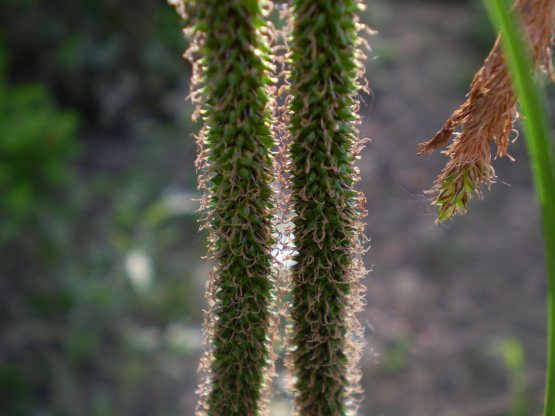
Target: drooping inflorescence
x: 231, y: 81
x: 324, y: 336
x: 487, y: 116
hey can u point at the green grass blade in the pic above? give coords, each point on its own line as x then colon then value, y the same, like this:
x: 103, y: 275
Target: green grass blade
x: 540, y: 149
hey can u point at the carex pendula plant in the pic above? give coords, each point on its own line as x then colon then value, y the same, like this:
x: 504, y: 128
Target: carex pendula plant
x: 231, y: 81
x: 324, y: 336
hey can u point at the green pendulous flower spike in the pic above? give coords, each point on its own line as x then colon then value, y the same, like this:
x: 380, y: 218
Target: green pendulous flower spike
x: 324, y: 337
x: 487, y: 116
x: 231, y: 81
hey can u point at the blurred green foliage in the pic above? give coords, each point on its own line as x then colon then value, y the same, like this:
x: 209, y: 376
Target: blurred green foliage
x: 109, y: 60
x: 513, y: 356
x: 509, y: 351
x: 97, y: 287
x: 397, y: 354
x: 98, y: 273
x: 36, y: 143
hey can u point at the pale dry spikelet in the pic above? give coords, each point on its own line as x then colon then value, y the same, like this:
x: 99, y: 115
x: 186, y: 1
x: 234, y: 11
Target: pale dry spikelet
x: 487, y: 116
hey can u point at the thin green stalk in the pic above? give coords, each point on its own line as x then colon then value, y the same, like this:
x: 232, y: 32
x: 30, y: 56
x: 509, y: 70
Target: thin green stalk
x: 324, y: 141
x: 231, y: 59
x: 540, y: 149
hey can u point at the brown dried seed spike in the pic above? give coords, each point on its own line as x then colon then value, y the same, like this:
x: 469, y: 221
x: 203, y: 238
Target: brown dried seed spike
x: 487, y: 116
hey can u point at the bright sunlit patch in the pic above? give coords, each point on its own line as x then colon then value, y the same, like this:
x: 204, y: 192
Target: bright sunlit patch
x: 181, y: 203
x: 138, y: 267
x: 183, y: 338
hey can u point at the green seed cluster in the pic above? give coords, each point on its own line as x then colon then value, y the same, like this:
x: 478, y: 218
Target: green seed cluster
x: 236, y: 170
x: 325, y: 66
x: 458, y: 187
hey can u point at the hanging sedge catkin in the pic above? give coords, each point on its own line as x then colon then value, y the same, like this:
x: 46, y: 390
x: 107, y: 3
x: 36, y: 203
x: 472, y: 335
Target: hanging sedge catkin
x: 325, y: 65
x: 230, y: 58
x: 487, y: 116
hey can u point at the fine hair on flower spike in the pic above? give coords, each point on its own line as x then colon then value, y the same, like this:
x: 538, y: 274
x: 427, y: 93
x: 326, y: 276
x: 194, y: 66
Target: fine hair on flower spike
x: 231, y: 86
x: 325, y: 75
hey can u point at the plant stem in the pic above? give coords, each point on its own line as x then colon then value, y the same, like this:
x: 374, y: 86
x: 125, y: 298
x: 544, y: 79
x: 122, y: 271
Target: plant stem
x: 540, y: 149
